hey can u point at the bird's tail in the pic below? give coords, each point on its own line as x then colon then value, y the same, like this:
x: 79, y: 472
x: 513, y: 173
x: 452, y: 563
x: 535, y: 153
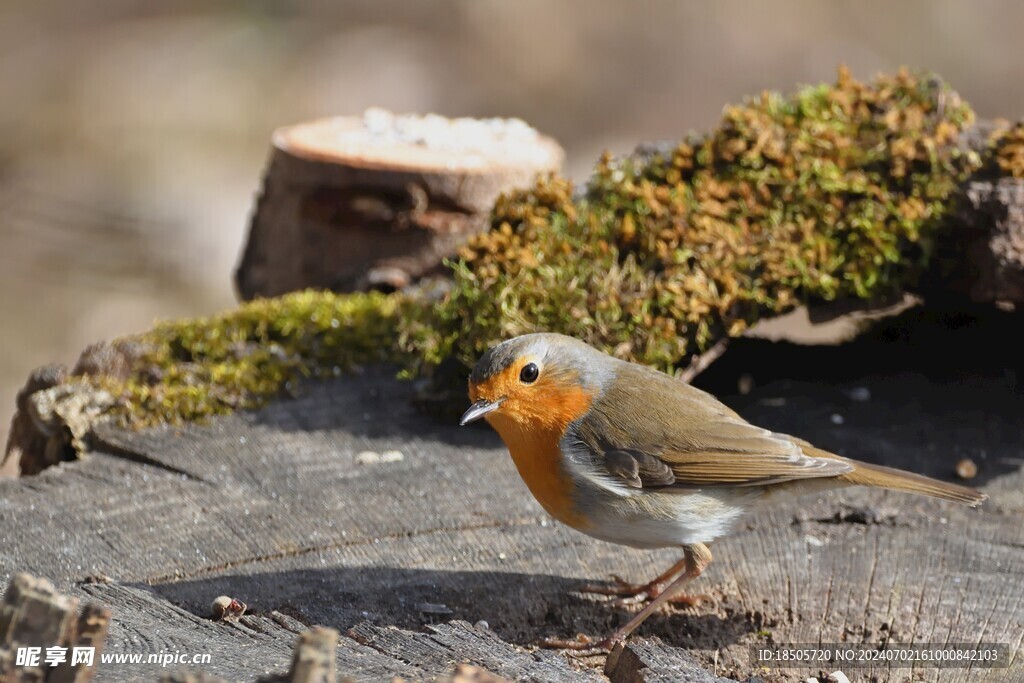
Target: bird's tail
x: 866, y: 474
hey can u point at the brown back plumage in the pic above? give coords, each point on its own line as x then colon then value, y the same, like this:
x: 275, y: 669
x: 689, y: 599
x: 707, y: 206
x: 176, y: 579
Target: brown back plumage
x: 645, y: 414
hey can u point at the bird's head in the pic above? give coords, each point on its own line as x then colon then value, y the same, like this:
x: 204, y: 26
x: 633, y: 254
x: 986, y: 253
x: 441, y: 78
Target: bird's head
x: 536, y: 382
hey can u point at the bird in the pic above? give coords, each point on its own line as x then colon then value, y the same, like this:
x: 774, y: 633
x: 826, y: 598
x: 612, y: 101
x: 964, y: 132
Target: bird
x: 630, y: 455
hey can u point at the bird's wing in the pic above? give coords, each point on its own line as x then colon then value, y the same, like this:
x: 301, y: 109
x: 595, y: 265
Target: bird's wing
x: 649, y: 430
x: 637, y: 469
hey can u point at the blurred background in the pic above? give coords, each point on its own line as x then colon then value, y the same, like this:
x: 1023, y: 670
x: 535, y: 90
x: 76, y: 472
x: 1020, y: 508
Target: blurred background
x: 133, y: 134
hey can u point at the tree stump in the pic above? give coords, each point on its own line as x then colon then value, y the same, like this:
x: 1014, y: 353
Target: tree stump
x: 407, y: 557
x: 377, y: 201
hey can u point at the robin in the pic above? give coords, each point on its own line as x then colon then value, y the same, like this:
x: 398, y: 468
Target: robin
x: 630, y: 455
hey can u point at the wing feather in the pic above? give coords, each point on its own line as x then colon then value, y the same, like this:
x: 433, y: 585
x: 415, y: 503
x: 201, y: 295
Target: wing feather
x: 649, y: 430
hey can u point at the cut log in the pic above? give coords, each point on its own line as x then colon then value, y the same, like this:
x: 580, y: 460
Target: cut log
x: 378, y: 201
x: 651, y: 661
x: 276, y: 509
x: 437, y: 650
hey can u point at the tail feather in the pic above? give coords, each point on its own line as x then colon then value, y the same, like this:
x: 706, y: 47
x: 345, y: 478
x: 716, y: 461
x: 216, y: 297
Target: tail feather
x: 866, y: 474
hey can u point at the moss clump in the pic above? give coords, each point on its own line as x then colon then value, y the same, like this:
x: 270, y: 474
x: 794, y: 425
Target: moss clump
x: 837, y: 191
x: 193, y: 369
x: 1009, y: 151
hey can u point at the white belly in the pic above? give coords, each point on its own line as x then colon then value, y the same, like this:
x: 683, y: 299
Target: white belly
x: 643, y: 519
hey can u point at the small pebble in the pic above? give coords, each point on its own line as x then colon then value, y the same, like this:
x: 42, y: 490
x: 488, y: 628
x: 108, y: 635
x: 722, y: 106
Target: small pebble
x: 392, y: 456
x: 837, y: 677
x: 837, y: 419
x: 966, y: 469
x: 368, y: 458
x: 225, y: 608
x: 220, y: 605
x: 814, y: 540
x: 482, y: 625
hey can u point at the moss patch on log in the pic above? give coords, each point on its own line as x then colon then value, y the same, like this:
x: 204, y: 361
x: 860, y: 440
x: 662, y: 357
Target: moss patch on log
x: 194, y: 369
x: 837, y: 191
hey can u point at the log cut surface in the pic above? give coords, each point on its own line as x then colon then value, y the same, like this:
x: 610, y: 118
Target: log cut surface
x: 283, y: 510
x: 379, y: 201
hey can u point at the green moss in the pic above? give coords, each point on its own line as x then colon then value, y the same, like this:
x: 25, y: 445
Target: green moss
x: 192, y: 369
x: 837, y: 191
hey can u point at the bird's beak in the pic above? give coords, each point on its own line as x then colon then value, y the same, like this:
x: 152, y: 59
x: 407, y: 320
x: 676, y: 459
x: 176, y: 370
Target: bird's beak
x: 478, y: 410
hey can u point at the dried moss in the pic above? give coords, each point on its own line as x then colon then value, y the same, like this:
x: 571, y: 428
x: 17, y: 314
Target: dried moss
x: 837, y: 191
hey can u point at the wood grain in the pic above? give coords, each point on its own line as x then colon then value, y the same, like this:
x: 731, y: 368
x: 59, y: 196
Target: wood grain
x: 274, y: 509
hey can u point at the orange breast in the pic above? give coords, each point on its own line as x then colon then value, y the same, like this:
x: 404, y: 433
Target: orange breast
x: 532, y: 441
x: 538, y: 460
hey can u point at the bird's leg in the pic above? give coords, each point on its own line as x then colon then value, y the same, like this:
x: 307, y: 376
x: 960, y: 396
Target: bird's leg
x: 696, y: 557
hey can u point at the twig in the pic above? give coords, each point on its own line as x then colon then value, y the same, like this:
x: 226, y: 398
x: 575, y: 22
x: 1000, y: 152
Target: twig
x: 700, y: 363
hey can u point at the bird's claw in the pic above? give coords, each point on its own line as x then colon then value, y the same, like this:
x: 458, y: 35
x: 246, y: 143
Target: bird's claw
x: 629, y: 600
x: 689, y: 600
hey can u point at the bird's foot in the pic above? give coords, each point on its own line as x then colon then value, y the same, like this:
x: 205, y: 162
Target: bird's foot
x: 583, y: 643
x: 631, y: 593
x: 624, y: 589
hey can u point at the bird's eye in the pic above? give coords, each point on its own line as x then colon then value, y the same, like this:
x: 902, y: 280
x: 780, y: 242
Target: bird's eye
x: 529, y: 373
